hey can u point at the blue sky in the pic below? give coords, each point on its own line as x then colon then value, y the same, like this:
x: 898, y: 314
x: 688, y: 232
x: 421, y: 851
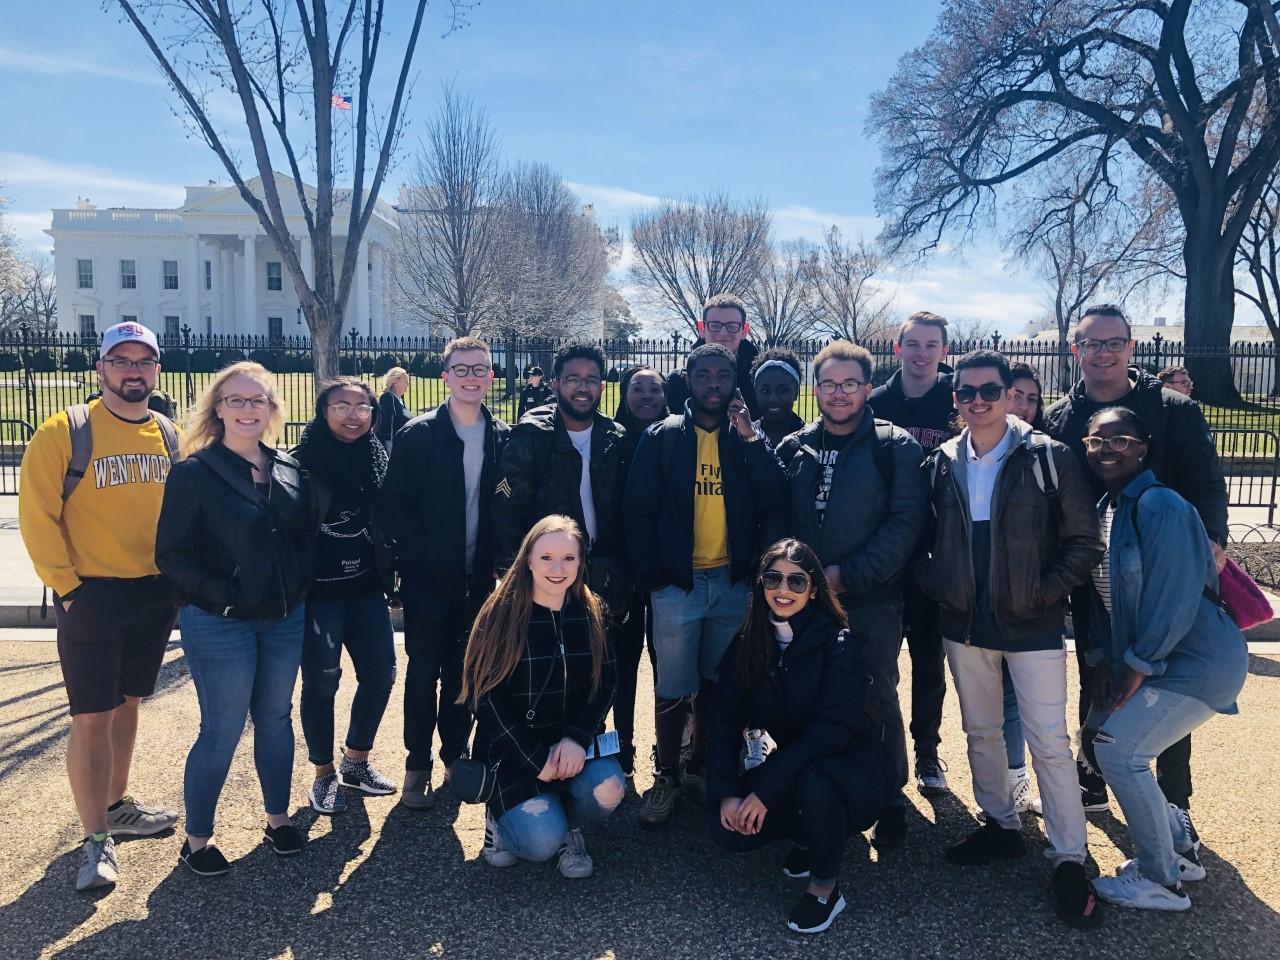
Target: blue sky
x: 629, y: 102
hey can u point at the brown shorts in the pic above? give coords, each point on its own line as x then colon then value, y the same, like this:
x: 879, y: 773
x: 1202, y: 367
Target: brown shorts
x: 112, y: 641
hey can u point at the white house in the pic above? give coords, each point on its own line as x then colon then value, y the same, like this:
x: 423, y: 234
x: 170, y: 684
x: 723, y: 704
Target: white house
x: 208, y: 264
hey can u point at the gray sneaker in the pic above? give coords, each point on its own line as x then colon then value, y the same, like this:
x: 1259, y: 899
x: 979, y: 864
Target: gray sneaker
x: 98, y: 865
x: 659, y: 804
x: 133, y: 819
x: 364, y: 776
x: 575, y: 862
x: 417, y: 793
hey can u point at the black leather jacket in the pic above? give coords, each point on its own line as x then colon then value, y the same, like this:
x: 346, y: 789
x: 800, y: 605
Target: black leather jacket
x: 229, y: 549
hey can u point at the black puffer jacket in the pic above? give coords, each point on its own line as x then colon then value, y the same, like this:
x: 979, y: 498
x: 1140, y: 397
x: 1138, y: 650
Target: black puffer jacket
x: 229, y: 549
x: 1181, y: 453
x: 813, y: 702
x: 540, y: 474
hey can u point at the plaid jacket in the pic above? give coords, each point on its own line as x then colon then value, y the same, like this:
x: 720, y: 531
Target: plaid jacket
x: 518, y: 746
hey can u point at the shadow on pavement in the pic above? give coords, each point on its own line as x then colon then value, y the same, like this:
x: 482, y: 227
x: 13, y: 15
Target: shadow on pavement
x: 48, y: 910
x: 1263, y: 666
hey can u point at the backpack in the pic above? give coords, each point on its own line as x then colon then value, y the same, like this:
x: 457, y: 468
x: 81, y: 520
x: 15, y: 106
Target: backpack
x: 82, y: 444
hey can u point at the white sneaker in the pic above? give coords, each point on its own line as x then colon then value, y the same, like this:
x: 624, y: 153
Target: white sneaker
x: 1020, y: 785
x: 575, y: 862
x: 1190, y: 869
x: 494, y: 852
x: 1132, y: 889
x: 98, y: 865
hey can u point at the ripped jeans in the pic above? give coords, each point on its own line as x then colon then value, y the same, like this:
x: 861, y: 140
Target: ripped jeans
x: 536, y: 828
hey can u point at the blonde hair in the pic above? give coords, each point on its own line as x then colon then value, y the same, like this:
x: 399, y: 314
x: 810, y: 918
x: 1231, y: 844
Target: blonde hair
x: 498, y: 636
x: 464, y: 343
x: 204, y: 428
x: 393, y: 376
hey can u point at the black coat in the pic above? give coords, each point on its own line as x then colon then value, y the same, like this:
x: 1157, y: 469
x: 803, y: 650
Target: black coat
x: 505, y: 736
x: 658, y: 506
x: 531, y: 396
x: 423, y: 504
x: 812, y: 700
x: 230, y: 550
x: 392, y: 415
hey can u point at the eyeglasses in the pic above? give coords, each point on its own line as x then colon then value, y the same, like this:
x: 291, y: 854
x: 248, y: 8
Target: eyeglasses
x: 239, y: 403
x: 1115, y: 444
x: 989, y: 392
x: 1112, y: 345
x: 828, y: 388
x: 773, y: 580
x: 574, y: 383
x: 722, y: 326
x: 470, y: 369
x: 122, y: 364
x: 344, y: 409
x: 1180, y: 383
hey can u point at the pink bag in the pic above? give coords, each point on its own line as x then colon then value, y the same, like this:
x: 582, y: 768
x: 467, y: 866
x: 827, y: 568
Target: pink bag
x: 1244, y: 602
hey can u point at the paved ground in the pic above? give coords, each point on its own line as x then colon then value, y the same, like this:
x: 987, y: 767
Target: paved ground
x: 380, y: 881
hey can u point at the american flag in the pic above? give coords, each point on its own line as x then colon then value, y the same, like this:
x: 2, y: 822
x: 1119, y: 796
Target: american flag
x: 340, y: 102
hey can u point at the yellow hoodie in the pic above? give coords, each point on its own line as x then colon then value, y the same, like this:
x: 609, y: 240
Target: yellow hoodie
x: 107, y: 527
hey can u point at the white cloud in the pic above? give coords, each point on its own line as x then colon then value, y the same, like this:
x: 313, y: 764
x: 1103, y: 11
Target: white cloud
x: 72, y: 64
x: 66, y: 179
x: 604, y: 197
x: 795, y: 222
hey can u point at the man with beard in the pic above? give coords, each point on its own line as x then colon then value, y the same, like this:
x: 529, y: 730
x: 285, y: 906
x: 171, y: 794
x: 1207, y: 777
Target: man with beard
x: 704, y: 497
x: 856, y: 494
x: 89, y: 500
x: 570, y: 459
x: 724, y: 321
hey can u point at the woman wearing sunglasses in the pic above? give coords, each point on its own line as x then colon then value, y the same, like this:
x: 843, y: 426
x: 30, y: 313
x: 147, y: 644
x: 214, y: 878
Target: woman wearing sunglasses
x: 347, y: 602
x: 1173, y: 659
x: 792, y: 752
x: 236, y: 536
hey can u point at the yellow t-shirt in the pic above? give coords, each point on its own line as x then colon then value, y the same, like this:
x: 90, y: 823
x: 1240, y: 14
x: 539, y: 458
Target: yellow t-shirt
x: 107, y: 527
x: 710, y: 529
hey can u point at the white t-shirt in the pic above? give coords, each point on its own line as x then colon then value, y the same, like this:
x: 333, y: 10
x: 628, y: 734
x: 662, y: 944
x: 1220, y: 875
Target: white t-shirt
x: 582, y: 442
x: 981, y: 473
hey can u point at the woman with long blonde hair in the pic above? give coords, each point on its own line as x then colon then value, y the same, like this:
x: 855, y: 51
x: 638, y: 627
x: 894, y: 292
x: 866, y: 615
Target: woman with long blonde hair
x: 392, y: 412
x: 540, y: 677
x: 236, y: 537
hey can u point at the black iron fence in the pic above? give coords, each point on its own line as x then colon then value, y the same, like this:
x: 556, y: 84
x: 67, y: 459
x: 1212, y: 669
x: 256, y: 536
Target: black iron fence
x: 40, y: 375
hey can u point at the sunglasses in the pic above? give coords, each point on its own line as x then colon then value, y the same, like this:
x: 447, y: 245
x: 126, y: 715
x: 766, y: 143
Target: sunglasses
x: 773, y: 580
x: 989, y: 392
x: 1114, y: 444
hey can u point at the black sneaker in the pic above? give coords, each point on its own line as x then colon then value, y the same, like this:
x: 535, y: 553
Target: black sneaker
x: 891, y: 829
x: 208, y: 861
x: 627, y: 760
x: 814, y: 914
x: 931, y: 777
x: 989, y: 842
x: 796, y: 866
x: 1093, y: 789
x: 1073, y: 898
x: 285, y: 840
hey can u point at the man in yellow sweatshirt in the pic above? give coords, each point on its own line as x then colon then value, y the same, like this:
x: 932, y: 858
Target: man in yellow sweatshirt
x: 96, y: 550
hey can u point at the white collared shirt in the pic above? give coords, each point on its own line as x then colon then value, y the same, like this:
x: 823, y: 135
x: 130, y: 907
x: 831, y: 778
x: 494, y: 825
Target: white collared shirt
x: 981, y: 473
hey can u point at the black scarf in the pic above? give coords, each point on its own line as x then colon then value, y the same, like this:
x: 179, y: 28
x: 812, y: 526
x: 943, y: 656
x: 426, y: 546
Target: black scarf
x: 351, y: 470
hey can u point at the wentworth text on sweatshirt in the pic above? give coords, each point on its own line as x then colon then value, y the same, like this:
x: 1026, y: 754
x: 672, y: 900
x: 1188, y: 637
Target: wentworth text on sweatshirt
x: 107, y: 527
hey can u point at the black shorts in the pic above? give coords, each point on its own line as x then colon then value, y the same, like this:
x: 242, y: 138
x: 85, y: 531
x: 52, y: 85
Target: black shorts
x: 112, y: 642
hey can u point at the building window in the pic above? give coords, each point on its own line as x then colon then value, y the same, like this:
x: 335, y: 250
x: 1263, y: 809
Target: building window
x: 208, y: 274
x: 84, y: 274
x: 88, y: 329
x: 274, y: 280
x: 208, y: 326
x: 128, y: 318
x: 171, y: 330
x: 171, y: 274
x: 128, y: 275
x: 275, y: 327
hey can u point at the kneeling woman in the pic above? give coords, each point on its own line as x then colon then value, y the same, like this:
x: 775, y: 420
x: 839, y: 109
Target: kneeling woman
x: 796, y: 674
x: 1174, y: 657
x: 540, y: 677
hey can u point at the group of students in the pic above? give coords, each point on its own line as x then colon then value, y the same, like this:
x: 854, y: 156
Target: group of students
x: 771, y: 566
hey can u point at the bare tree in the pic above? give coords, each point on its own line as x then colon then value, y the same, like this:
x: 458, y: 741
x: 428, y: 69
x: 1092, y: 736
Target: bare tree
x: 783, y: 299
x: 1259, y: 254
x: 284, y: 62
x: 450, y: 217
x: 1000, y: 89
x: 689, y: 250
x: 10, y: 260
x: 30, y: 296
x: 853, y: 307
x: 619, y: 322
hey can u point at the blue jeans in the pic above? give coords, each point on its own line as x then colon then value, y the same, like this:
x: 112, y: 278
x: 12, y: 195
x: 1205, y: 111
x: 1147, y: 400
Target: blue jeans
x: 240, y: 668
x: 536, y: 828
x: 1127, y: 742
x: 1014, y: 744
x: 692, y: 629
x: 363, y: 625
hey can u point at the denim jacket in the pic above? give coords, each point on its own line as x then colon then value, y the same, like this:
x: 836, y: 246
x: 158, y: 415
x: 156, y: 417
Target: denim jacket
x: 1162, y: 624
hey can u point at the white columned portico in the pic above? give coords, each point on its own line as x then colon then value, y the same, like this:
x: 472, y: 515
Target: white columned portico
x: 249, y: 319
x: 195, y: 278
x: 308, y: 265
x: 363, y: 317
x: 377, y: 305
x: 226, y: 284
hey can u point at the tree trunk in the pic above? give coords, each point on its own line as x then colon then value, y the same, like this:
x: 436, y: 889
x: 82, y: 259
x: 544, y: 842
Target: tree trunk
x: 1208, y: 315
x: 326, y: 338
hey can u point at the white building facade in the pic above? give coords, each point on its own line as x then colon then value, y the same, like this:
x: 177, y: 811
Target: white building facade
x: 209, y: 265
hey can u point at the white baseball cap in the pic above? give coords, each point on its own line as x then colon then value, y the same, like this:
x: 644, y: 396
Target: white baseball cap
x: 128, y: 332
